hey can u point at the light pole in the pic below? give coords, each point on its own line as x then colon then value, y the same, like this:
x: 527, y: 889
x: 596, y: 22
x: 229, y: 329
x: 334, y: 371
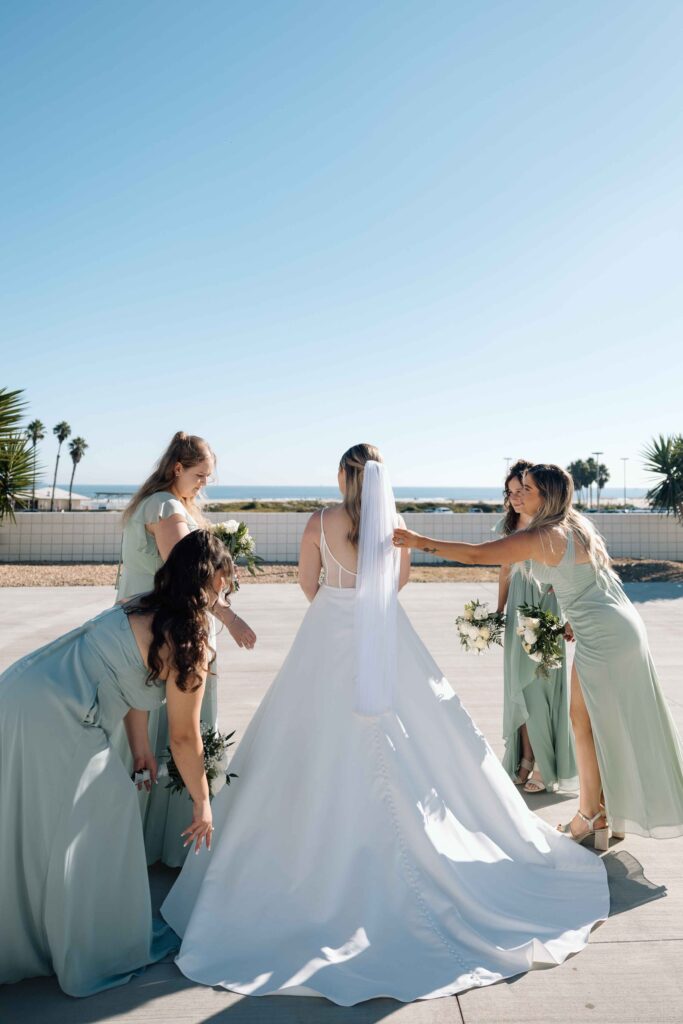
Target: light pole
x: 624, y: 460
x: 508, y: 460
x: 597, y: 482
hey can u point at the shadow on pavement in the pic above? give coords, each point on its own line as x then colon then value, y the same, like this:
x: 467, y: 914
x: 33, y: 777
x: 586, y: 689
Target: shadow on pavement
x: 628, y: 886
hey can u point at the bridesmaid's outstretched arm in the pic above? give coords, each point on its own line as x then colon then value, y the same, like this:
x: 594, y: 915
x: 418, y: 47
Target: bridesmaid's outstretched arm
x: 515, y: 548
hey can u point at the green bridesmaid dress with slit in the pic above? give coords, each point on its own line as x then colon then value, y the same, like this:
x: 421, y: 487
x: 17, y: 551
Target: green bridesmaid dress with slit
x: 165, y: 814
x: 74, y: 892
x: 638, y: 747
x: 540, y: 704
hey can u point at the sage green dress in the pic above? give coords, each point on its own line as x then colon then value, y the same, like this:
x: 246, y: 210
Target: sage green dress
x: 165, y: 814
x: 638, y: 747
x: 74, y: 892
x: 540, y: 704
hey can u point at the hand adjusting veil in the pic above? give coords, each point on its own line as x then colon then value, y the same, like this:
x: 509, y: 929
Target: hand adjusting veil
x: 376, y: 601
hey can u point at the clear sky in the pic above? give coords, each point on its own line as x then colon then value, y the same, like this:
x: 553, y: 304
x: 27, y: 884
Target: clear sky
x: 454, y: 229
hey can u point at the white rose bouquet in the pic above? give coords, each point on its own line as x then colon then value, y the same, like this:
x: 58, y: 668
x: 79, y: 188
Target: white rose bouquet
x: 479, y: 628
x: 215, y: 761
x: 240, y: 543
x: 541, y: 635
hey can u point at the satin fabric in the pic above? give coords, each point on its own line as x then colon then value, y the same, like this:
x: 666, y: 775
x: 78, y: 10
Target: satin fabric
x: 358, y: 857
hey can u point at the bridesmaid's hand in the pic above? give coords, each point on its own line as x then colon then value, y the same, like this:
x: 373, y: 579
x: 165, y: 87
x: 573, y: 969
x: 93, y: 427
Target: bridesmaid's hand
x: 568, y: 633
x: 146, y: 761
x: 201, y: 828
x: 241, y: 633
x: 406, y: 539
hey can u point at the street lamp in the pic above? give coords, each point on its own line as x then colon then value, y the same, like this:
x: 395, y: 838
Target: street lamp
x: 624, y: 460
x: 508, y: 460
x: 597, y: 482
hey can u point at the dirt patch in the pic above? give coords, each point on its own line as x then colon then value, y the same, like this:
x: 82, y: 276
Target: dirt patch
x: 631, y: 570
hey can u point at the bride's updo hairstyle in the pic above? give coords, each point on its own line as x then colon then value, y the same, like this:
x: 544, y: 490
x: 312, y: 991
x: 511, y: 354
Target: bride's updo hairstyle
x: 180, y: 604
x: 556, y: 489
x: 352, y: 464
x: 188, y: 450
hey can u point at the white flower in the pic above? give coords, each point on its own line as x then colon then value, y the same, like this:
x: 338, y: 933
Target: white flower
x: 480, y: 643
x: 530, y: 636
x: 473, y: 632
x: 527, y: 647
x: 162, y: 773
x: 480, y: 613
x: 533, y: 623
x: 520, y: 631
x: 485, y: 633
x: 536, y: 656
x: 230, y: 526
x: 468, y: 614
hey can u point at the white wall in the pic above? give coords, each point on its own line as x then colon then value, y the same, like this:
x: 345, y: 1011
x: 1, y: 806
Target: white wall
x: 96, y: 536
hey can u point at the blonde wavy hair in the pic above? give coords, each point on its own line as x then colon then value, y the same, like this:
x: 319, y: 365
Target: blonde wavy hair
x: 188, y: 450
x: 352, y: 464
x: 556, y: 488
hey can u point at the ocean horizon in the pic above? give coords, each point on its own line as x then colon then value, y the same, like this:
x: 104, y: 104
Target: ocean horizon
x: 298, y: 492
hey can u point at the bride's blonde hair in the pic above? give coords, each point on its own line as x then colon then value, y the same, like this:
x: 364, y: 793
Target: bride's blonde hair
x: 352, y: 463
x: 556, y: 488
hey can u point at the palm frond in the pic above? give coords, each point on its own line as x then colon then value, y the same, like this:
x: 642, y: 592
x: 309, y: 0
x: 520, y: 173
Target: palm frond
x: 12, y: 411
x: 17, y: 471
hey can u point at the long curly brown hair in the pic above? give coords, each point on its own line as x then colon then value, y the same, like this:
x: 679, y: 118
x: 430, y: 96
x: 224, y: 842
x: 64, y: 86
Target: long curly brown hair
x: 515, y: 472
x: 180, y: 604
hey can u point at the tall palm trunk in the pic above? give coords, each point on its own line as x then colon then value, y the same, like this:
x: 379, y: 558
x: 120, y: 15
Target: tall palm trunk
x: 54, y: 482
x: 71, y: 483
x: 33, y: 489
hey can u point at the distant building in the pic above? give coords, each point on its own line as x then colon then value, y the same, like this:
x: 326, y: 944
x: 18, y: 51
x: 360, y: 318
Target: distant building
x: 61, y: 504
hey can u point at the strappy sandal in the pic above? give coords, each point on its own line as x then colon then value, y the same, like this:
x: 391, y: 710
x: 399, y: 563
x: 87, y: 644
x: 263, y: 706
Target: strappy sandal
x: 615, y: 833
x: 600, y: 835
x: 528, y: 767
x: 534, y: 785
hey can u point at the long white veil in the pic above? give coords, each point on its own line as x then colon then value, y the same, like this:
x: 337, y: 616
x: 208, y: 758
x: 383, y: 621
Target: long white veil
x: 376, y: 594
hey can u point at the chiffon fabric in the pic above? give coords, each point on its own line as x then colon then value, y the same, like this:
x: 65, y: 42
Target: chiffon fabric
x: 637, y: 745
x: 363, y: 856
x: 540, y: 704
x: 165, y: 815
x: 74, y: 894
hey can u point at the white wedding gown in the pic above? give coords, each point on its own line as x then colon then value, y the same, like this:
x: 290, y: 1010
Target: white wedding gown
x: 359, y: 857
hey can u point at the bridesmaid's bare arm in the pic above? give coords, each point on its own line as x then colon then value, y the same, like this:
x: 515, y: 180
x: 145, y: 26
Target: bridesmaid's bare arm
x: 545, y: 546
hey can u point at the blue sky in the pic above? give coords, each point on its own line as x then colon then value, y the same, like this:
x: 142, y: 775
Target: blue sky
x: 450, y: 228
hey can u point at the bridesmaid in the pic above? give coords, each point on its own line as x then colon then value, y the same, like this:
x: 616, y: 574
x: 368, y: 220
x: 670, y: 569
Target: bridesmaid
x: 627, y: 746
x: 162, y: 512
x: 74, y: 889
x: 535, y: 711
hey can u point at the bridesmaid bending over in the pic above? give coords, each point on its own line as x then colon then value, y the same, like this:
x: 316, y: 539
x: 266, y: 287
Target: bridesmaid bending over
x: 539, y: 746
x: 74, y: 890
x: 627, y: 745
x: 162, y: 512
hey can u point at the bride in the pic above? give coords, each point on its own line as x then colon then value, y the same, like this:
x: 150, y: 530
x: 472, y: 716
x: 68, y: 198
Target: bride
x: 374, y: 845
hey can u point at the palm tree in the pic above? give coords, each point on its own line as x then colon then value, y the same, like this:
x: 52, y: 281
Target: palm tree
x: 17, y: 459
x: 61, y: 432
x: 603, y: 477
x: 590, y: 477
x: 664, y: 457
x: 578, y: 470
x: 76, y: 450
x: 35, y: 432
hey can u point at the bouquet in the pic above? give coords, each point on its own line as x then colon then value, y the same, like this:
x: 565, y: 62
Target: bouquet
x: 240, y: 544
x: 215, y: 761
x: 479, y: 628
x: 541, y: 634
